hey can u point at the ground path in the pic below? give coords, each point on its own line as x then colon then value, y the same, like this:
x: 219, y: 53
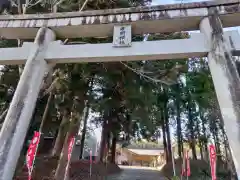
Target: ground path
x: 137, y: 173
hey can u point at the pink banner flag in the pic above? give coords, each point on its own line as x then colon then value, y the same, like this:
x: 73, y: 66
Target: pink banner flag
x: 212, y: 157
x: 90, y: 154
x: 186, y: 171
x: 188, y: 163
x: 31, y: 153
x: 70, y: 147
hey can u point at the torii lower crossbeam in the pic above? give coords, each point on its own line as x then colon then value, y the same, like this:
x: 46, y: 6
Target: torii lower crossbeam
x: 196, y: 46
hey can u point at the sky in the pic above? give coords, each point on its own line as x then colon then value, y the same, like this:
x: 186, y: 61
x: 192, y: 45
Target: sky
x: 159, y: 2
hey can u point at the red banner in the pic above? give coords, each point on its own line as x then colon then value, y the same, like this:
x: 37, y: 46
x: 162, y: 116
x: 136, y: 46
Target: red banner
x: 212, y: 156
x: 188, y: 163
x: 186, y: 171
x: 31, y: 153
x: 70, y: 147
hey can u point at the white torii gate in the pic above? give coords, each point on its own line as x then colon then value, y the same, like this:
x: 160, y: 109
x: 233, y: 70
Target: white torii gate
x: 38, y: 56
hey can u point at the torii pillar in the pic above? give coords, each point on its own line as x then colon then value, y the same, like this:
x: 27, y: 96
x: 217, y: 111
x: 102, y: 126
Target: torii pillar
x: 226, y: 80
x: 20, y: 112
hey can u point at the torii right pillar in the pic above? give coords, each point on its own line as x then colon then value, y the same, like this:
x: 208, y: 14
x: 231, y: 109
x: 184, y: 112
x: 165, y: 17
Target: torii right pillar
x: 226, y: 80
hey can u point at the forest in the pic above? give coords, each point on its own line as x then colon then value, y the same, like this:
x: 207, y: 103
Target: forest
x: 134, y: 100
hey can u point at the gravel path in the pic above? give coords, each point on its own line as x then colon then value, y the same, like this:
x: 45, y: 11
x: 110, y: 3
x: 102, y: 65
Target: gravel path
x: 137, y: 173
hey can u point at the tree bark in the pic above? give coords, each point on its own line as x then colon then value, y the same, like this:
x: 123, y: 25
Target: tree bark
x: 199, y: 141
x: 167, y: 129
x: 103, y: 140
x: 191, y: 130
x: 169, y: 143
x: 2, y: 116
x: 46, y: 110
x: 165, y: 140
x: 113, y: 149
x: 179, y: 127
x: 206, y: 157
x: 84, y: 129
x: 62, y: 132
x: 44, y: 119
x: 62, y: 163
x: 86, y: 114
x: 72, y: 132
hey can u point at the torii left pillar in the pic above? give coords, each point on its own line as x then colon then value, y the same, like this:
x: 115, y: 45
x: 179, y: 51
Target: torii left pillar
x: 20, y: 112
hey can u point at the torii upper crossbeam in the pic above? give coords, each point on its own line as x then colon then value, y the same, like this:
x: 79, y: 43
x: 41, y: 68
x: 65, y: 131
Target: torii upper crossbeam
x: 153, y: 19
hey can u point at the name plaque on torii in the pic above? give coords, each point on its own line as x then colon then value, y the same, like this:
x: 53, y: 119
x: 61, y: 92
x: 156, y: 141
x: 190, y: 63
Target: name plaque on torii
x: 122, y: 36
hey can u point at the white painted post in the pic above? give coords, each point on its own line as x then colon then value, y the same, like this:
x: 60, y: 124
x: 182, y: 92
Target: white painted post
x: 18, y: 118
x: 226, y: 81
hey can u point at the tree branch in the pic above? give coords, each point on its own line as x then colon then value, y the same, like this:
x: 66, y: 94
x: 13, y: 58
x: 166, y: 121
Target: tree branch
x: 145, y: 76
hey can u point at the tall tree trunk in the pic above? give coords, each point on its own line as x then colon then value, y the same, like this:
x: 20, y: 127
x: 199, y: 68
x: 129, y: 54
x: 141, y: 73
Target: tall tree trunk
x: 214, y: 131
x: 199, y: 141
x: 166, y: 121
x: 72, y: 132
x: 3, y: 113
x: 62, y: 132
x: 179, y: 127
x: 108, y: 144
x: 169, y: 144
x: 44, y: 119
x: 129, y: 126
x: 205, y: 140
x: 2, y: 116
x: 86, y: 114
x: 62, y: 163
x: 225, y: 143
x: 113, y: 149
x: 191, y: 129
x: 84, y: 129
x: 103, y: 140
x: 165, y: 140
x: 46, y: 110
x: 217, y: 139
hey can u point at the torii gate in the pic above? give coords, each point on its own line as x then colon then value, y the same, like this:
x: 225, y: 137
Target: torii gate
x: 209, y: 17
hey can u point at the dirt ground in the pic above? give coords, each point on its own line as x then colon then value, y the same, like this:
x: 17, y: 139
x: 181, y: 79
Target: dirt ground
x: 45, y: 168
